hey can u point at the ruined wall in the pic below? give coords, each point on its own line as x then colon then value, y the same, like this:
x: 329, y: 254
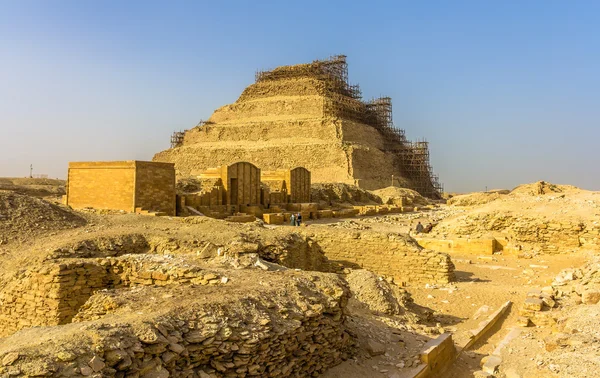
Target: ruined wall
x: 391, y: 255
x: 437, y: 356
x: 294, y: 332
x: 53, y: 294
x: 155, y: 187
x: 101, y: 185
x: 485, y: 246
x: 519, y: 232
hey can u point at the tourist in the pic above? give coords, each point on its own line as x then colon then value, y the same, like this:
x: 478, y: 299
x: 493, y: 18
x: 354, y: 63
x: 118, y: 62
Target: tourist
x: 298, y: 219
x: 427, y: 228
x: 293, y: 220
x: 419, y: 228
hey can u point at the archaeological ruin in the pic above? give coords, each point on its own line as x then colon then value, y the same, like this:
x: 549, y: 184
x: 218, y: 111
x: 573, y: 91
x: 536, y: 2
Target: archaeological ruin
x: 308, y: 115
x: 195, y: 265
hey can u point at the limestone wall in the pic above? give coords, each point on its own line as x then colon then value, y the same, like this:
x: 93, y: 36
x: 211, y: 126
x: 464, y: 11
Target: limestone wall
x: 437, y: 356
x: 546, y: 236
x: 302, y: 86
x: 52, y: 294
x: 315, y: 129
x: 391, y: 255
x: 101, y: 185
x: 155, y: 187
x: 465, y: 246
x: 294, y: 107
x: 373, y: 168
x: 191, y: 160
x: 122, y: 185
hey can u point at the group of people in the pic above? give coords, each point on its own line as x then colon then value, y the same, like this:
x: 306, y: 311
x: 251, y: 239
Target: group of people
x: 296, y: 219
x: 423, y: 230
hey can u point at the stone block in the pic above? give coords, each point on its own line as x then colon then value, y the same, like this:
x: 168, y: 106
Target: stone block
x: 533, y: 304
x: 590, y: 296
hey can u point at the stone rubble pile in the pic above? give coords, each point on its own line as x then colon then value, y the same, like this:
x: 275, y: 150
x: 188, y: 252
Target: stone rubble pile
x: 295, y: 332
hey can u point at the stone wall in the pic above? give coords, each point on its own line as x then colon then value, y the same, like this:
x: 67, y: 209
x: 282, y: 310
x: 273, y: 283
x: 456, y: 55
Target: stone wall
x: 517, y: 232
x: 102, y: 185
x: 390, y: 255
x: 155, y: 187
x: 463, y: 246
x: 437, y: 356
x: 52, y: 294
x: 122, y: 185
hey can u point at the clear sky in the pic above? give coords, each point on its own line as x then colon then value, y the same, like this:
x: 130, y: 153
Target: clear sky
x: 507, y: 92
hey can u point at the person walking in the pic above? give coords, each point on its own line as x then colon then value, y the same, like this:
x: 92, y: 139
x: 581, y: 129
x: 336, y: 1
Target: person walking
x: 293, y: 220
x: 298, y: 219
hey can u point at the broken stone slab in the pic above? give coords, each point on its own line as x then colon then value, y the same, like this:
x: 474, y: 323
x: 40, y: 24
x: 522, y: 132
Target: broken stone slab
x: 538, y: 266
x: 512, y: 373
x: 523, y: 321
x: 548, y: 300
x: 265, y: 265
x: 534, y: 293
x: 374, y: 348
x: 486, y: 325
x: 491, y: 364
x: 10, y: 358
x: 511, y: 335
x: 97, y: 364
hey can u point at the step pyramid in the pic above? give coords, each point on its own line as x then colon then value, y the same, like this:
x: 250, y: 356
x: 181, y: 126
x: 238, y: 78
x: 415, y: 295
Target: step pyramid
x: 308, y: 115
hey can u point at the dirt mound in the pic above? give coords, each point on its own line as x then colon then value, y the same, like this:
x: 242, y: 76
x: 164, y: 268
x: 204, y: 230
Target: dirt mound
x: 393, y: 195
x: 373, y: 291
x: 474, y: 199
x: 542, y: 187
x: 342, y: 193
x: 34, y: 187
x: 22, y: 217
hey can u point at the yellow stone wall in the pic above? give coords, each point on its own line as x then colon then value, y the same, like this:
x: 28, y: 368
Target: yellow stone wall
x: 155, y: 187
x: 122, y: 185
x: 101, y: 185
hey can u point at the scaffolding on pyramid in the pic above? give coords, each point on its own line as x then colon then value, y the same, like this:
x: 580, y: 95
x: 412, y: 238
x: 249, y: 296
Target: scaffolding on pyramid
x: 345, y: 101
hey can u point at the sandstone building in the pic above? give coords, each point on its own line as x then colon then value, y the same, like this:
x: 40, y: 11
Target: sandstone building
x: 122, y: 185
x: 307, y: 115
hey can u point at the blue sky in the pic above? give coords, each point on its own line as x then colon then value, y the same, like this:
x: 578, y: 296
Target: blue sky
x: 507, y: 92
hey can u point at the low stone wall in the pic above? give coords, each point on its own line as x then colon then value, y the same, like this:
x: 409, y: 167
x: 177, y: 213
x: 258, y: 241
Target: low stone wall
x: 391, y: 255
x: 546, y: 236
x: 52, y: 294
x: 437, y: 356
x: 294, y: 331
x: 464, y: 246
